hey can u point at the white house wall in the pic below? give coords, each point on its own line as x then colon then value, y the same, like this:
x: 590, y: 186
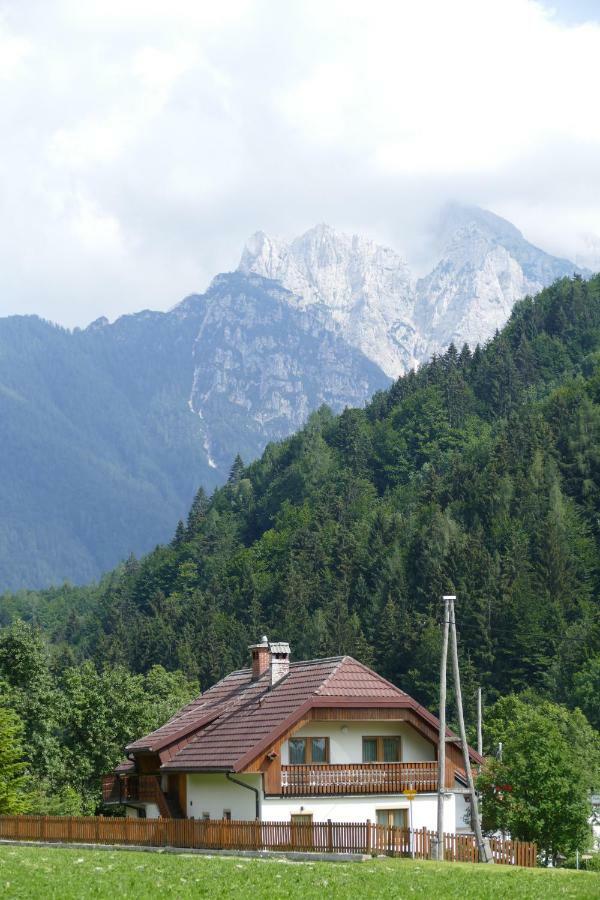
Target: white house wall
x: 213, y: 793
x: 359, y: 809
x: 345, y: 746
x: 152, y: 811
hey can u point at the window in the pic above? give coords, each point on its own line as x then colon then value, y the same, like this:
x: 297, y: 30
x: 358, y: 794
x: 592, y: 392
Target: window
x: 297, y: 751
x: 381, y: 749
x: 227, y: 815
x: 206, y: 815
x: 319, y: 750
x: 392, y: 817
x: 308, y: 750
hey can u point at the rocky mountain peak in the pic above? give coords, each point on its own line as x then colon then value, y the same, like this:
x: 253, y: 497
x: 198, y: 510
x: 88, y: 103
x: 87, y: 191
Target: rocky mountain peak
x: 366, y: 288
x: 483, y: 265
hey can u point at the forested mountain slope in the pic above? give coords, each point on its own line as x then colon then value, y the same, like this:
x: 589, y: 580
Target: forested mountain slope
x: 479, y: 474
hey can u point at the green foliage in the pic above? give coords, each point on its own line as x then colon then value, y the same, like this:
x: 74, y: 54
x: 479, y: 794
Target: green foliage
x: 478, y: 474
x: 13, y: 778
x: 76, y: 719
x: 541, y: 788
x: 586, y: 684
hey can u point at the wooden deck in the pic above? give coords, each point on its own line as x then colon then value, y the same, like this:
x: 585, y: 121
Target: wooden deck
x: 358, y: 778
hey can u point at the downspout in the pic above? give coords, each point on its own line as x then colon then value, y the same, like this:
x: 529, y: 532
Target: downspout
x: 249, y: 787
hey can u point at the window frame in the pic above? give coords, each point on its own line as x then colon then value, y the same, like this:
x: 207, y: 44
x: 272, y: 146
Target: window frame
x: 379, y: 739
x: 392, y: 811
x: 308, y: 750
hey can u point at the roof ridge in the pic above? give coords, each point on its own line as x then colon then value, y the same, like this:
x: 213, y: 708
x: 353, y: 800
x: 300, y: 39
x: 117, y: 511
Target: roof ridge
x: 379, y: 677
x: 311, y: 662
x: 342, y: 660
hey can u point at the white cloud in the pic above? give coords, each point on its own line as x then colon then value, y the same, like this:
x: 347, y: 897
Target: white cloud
x: 142, y: 141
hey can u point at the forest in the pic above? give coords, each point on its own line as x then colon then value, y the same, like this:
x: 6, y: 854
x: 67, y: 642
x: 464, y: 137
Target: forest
x: 478, y: 474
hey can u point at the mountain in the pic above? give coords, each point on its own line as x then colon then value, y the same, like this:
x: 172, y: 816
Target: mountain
x: 477, y: 475
x: 262, y: 364
x: 365, y: 288
x: 109, y: 431
x: 484, y: 265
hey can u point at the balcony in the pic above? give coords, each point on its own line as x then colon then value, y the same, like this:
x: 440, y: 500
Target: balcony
x: 130, y: 789
x: 359, y: 778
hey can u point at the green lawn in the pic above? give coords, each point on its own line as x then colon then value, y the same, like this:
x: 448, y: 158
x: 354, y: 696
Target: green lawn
x: 71, y: 873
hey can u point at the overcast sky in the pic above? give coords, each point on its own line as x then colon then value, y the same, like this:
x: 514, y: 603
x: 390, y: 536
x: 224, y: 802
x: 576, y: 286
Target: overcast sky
x: 143, y: 140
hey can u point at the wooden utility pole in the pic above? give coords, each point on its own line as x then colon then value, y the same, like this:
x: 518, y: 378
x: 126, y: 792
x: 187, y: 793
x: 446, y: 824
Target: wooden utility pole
x: 483, y: 847
x: 442, y: 732
x: 479, y: 731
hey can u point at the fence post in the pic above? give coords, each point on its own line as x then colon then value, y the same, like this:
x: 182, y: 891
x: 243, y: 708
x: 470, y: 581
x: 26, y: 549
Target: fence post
x: 330, y: 836
x: 69, y: 828
x: 257, y: 841
x: 368, y: 847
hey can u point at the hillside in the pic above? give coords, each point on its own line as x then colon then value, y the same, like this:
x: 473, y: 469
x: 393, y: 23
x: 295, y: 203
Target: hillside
x: 109, y: 431
x: 478, y: 474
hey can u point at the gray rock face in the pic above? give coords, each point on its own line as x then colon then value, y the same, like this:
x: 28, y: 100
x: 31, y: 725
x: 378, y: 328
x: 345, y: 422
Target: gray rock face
x: 263, y: 362
x: 484, y: 265
x: 366, y: 289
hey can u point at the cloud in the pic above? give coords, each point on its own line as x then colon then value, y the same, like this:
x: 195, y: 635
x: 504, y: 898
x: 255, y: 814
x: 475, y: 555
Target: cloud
x: 144, y: 140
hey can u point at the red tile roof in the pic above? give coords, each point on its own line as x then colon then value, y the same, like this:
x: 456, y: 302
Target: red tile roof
x: 236, y: 719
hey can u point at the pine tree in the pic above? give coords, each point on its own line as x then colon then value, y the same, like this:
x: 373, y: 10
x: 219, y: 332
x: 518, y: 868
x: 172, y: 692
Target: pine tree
x: 197, y: 512
x: 236, y: 471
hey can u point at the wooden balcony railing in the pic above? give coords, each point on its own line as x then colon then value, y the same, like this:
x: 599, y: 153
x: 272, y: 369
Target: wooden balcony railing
x: 358, y: 778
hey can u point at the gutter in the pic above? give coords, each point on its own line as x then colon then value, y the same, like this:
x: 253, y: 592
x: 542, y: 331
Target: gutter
x: 249, y: 787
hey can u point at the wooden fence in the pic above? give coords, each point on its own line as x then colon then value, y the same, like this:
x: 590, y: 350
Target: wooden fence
x: 221, y: 834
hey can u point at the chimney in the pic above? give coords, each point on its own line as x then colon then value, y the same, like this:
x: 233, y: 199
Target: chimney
x: 261, y: 657
x: 280, y: 661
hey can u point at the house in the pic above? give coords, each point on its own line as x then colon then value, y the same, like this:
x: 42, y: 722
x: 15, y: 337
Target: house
x: 295, y: 741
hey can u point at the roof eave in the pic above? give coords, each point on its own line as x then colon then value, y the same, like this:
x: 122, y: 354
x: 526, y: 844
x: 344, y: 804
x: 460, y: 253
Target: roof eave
x: 175, y: 736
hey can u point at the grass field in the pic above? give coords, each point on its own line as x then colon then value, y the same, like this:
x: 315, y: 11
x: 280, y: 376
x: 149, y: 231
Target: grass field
x: 71, y: 873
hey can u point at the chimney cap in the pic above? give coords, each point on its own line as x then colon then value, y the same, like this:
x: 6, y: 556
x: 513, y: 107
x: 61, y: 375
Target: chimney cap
x: 279, y: 647
x: 263, y: 642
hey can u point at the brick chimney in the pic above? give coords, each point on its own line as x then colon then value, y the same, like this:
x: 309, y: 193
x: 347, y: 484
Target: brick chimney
x: 280, y: 660
x: 261, y: 657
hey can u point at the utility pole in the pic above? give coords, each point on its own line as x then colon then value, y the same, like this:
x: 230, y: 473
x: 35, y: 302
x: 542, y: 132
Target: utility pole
x: 479, y: 733
x: 439, y: 854
x: 483, y: 847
